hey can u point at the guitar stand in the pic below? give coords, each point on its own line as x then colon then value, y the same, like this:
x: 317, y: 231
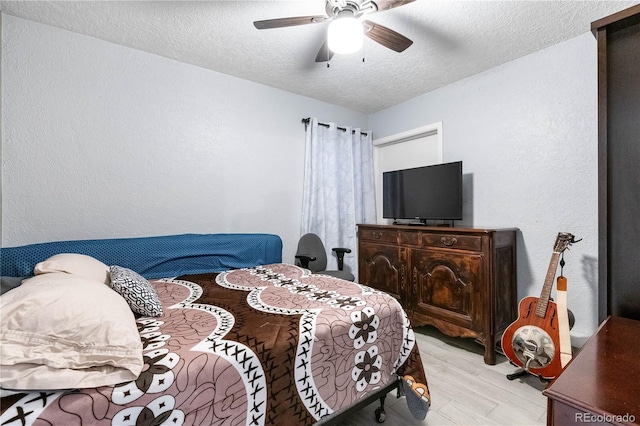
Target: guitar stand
x: 522, y: 372
x: 518, y: 373
x: 530, y: 349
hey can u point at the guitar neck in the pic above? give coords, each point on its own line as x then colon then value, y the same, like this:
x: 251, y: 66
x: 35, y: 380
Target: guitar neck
x: 543, y: 302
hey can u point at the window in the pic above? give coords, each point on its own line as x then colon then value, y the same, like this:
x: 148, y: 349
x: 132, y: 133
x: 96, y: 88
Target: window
x: 414, y: 148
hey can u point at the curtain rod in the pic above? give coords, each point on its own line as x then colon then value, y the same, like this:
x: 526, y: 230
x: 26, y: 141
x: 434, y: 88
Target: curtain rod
x: 344, y: 129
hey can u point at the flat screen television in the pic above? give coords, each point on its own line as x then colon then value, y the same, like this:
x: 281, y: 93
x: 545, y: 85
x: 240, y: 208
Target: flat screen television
x: 423, y: 193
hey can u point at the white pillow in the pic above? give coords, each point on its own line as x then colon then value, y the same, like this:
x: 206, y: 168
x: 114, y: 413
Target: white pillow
x: 76, y: 264
x: 60, y: 331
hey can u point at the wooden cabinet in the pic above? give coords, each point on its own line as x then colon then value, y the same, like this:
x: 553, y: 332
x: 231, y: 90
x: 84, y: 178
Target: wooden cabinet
x: 599, y: 386
x: 460, y: 280
x: 618, y: 38
x: 384, y: 269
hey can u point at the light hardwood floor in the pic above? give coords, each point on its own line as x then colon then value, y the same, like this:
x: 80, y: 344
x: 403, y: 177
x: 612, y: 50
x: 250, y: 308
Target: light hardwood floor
x: 464, y: 390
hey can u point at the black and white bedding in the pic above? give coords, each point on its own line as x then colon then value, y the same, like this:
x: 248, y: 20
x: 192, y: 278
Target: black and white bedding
x: 267, y: 344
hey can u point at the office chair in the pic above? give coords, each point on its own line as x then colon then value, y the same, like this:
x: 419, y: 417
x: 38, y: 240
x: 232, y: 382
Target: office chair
x: 312, y: 255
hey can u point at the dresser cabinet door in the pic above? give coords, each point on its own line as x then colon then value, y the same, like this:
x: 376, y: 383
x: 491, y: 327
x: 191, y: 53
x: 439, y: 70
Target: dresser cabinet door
x: 381, y: 267
x: 446, y: 285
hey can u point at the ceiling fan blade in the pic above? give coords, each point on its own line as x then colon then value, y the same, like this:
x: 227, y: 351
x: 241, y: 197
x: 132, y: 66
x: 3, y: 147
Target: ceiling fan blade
x: 386, y: 37
x: 324, y: 54
x: 390, y: 4
x: 289, y: 22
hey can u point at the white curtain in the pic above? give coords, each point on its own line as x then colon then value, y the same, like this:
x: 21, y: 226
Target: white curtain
x: 339, y: 187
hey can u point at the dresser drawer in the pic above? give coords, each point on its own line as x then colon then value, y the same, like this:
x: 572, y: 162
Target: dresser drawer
x: 379, y: 235
x: 459, y: 242
x: 409, y: 238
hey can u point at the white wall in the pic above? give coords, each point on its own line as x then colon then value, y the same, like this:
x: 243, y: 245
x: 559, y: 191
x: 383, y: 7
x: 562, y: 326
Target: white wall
x: 105, y: 141
x: 527, y: 135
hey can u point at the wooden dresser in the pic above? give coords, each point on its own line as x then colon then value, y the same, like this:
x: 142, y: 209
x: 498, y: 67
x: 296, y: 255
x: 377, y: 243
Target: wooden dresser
x: 618, y: 39
x: 600, y: 385
x: 460, y: 280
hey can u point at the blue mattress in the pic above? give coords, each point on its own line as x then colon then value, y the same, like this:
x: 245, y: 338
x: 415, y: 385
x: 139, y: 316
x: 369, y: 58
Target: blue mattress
x: 155, y: 257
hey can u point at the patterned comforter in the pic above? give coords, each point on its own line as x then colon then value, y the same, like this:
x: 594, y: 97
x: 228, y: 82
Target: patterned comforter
x: 267, y: 345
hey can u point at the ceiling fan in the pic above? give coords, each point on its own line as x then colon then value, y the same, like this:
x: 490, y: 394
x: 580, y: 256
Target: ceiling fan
x: 341, y: 10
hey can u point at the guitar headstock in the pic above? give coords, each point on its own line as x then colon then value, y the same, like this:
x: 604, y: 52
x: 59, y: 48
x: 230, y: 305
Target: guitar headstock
x: 563, y: 241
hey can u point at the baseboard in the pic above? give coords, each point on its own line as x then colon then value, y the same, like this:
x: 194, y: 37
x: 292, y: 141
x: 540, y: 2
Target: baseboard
x: 578, y: 339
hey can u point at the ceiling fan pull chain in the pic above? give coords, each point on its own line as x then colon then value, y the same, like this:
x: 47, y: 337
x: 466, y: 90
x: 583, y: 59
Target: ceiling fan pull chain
x: 363, y: 54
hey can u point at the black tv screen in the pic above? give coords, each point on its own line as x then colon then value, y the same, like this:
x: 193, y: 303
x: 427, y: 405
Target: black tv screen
x: 423, y: 193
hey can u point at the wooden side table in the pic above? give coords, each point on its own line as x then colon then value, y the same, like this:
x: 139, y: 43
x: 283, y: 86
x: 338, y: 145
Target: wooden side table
x: 601, y: 385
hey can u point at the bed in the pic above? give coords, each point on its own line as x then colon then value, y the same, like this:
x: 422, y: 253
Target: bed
x: 239, y: 338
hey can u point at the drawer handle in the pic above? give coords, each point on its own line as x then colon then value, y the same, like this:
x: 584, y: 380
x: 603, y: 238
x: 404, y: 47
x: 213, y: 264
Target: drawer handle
x: 377, y: 235
x: 448, y: 241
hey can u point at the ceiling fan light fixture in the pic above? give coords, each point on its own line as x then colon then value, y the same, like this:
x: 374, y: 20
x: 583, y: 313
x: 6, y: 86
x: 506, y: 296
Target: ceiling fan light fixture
x: 345, y: 34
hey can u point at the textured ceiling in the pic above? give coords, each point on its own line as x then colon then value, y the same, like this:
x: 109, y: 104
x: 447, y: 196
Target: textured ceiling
x: 452, y: 40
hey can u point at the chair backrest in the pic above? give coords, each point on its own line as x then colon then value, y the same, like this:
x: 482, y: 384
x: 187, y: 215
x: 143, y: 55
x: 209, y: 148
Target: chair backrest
x: 311, y: 245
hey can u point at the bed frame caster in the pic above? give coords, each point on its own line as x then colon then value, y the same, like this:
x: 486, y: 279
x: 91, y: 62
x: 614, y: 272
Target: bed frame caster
x: 338, y: 417
x: 380, y: 415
